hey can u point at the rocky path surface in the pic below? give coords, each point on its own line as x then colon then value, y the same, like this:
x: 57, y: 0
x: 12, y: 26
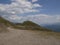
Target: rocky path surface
x: 26, y: 37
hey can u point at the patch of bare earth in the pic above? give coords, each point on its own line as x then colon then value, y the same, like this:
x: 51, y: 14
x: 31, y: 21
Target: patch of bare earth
x: 26, y: 37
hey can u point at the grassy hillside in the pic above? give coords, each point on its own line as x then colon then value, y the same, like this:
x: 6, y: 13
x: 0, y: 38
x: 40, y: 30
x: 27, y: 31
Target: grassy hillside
x: 5, y: 22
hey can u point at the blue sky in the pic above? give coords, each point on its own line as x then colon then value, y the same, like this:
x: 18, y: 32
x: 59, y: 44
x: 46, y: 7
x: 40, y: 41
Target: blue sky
x: 39, y: 11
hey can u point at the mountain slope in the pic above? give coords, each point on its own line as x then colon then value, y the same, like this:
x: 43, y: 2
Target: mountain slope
x: 5, y: 22
x: 29, y: 25
x: 2, y: 25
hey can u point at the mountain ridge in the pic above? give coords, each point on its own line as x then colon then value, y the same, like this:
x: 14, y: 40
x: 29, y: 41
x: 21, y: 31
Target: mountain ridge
x: 26, y: 25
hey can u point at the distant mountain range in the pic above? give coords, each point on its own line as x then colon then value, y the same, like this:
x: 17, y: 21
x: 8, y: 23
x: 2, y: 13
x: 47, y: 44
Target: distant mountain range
x: 26, y: 25
x: 54, y: 27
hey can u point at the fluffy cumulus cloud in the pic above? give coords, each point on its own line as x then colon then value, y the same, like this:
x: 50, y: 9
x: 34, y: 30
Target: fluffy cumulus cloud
x: 19, y: 7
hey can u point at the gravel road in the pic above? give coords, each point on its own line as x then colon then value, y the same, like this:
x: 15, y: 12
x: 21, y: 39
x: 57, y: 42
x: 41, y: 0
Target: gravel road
x: 26, y: 37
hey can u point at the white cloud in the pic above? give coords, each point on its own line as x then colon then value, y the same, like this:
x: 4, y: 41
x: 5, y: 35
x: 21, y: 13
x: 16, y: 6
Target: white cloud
x: 44, y: 19
x: 19, y: 6
x: 34, y: 0
x: 39, y: 19
x: 14, y: 17
x: 37, y: 5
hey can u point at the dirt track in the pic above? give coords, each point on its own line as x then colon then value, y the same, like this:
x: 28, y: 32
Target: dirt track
x: 25, y: 37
